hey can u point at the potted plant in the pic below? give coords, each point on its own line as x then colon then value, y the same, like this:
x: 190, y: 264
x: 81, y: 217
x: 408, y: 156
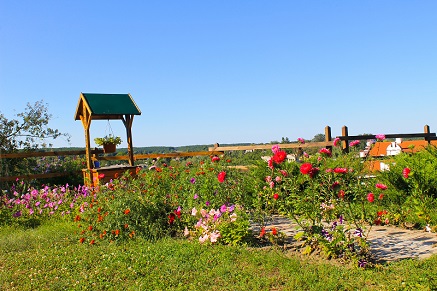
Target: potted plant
x: 109, y: 142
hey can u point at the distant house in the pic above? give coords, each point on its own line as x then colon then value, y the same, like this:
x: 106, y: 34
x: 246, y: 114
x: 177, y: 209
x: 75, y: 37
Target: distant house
x: 387, y: 148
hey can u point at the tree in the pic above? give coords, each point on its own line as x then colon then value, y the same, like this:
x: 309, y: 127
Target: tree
x: 318, y: 137
x: 29, y: 131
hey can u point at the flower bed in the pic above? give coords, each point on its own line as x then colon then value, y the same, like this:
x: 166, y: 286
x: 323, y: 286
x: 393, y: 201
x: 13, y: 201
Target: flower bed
x: 331, y: 196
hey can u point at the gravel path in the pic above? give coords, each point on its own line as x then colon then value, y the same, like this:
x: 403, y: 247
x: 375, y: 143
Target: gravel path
x: 387, y: 243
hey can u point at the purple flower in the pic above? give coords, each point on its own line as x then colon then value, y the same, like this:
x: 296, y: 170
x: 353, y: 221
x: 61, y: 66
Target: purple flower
x: 207, y: 203
x: 193, y: 180
x: 362, y: 263
x: 17, y: 214
x: 358, y: 232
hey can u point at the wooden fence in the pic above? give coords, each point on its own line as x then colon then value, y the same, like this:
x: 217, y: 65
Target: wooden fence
x: 215, y: 150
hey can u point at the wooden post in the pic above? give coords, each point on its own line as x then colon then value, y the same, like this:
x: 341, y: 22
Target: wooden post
x: 328, y: 136
x: 128, y: 120
x: 426, y: 130
x: 86, y: 122
x: 345, y: 143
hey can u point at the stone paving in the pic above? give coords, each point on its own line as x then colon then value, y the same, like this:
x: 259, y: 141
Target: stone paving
x: 387, y: 243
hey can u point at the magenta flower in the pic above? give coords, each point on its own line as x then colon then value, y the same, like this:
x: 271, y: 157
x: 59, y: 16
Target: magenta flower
x: 193, y: 180
x: 354, y: 143
x: 300, y: 140
x: 406, y: 172
x: 325, y: 151
x: 380, y: 137
x: 275, y: 149
x: 337, y: 141
x: 381, y: 186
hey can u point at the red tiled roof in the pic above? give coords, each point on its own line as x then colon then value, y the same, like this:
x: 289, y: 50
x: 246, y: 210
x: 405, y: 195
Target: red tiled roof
x: 409, y: 146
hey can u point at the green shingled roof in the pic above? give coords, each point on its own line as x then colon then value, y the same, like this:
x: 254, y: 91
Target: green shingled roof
x: 111, y: 104
x: 107, y: 105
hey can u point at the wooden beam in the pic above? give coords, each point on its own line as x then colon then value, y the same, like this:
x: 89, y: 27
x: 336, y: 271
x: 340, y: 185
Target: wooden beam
x: 155, y: 156
x: 401, y: 135
x: 34, y: 176
x: 48, y: 154
x: 269, y: 146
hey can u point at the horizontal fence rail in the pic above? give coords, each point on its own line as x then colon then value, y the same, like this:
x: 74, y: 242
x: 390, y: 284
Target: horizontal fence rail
x: 269, y: 146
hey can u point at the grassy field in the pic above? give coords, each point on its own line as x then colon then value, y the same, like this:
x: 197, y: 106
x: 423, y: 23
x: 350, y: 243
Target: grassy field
x: 46, y: 258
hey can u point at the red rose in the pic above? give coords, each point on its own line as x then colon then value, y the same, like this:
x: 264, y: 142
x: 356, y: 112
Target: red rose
x: 406, y: 173
x: 279, y: 157
x: 306, y: 168
x: 221, y: 176
x: 171, y: 218
x: 263, y: 232
x: 274, y: 231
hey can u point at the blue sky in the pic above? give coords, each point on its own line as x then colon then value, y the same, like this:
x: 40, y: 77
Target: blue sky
x: 225, y: 71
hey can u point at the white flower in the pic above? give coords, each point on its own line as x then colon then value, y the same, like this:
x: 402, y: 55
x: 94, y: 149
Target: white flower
x: 203, y: 238
x: 214, y: 236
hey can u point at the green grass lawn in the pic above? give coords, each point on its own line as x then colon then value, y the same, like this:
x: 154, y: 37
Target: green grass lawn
x: 46, y: 258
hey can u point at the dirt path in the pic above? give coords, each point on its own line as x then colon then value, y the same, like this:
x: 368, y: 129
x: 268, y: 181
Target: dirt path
x: 387, y: 243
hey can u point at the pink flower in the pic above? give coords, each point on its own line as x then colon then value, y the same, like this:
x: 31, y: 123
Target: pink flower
x: 270, y: 163
x: 337, y: 141
x: 278, y: 179
x: 300, y: 140
x: 354, y: 143
x: 381, y: 186
x: 406, y: 172
x: 275, y: 149
x: 370, y: 197
x: 325, y: 151
x: 340, y: 170
x: 214, y: 236
x: 268, y: 179
x: 380, y: 137
x: 215, y: 159
x: 284, y: 173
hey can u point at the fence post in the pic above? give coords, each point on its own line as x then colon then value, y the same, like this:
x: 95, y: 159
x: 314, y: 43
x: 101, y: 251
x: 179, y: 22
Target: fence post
x: 345, y: 143
x: 328, y: 136
x: 426, y: 130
